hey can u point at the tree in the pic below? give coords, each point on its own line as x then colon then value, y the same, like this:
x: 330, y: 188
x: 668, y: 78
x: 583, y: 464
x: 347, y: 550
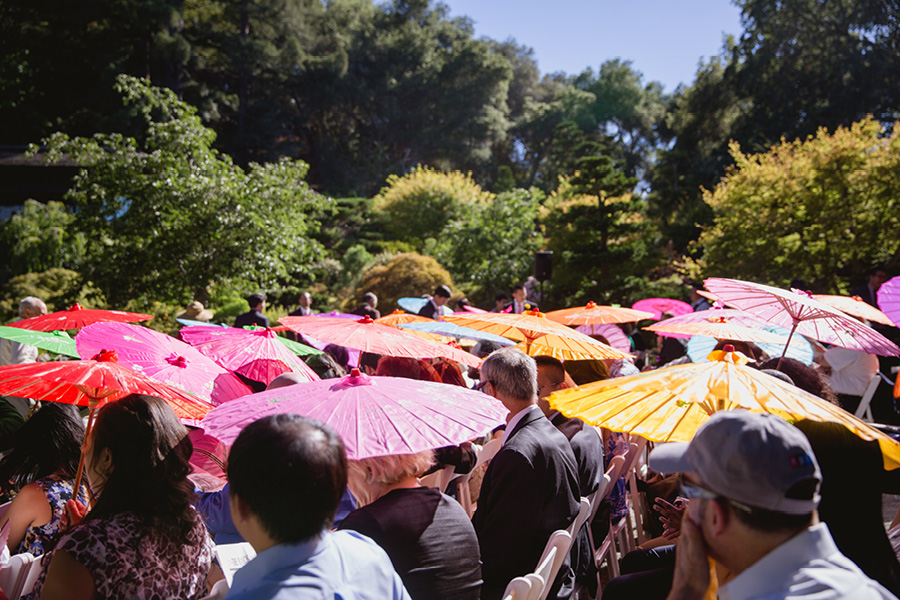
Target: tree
x: 490, y: 246
x: 814, y: 209
x: 167, y: 216
x: 419, y: 205
x: 404, y: 275
x: 38, y: 238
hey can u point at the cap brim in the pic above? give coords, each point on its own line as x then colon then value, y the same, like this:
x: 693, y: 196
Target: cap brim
x: 670, y: 458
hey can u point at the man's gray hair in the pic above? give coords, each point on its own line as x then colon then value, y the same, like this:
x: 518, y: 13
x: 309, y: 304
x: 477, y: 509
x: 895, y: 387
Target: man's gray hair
x: 31, y: 303
x: 512, y: 373
x: 370, y: 299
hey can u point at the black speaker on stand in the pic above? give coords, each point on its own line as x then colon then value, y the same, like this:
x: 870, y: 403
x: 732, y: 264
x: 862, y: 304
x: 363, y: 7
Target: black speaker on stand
x: 543, y: 268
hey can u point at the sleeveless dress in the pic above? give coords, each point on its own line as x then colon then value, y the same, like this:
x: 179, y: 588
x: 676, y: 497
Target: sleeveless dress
x: 40, y: 539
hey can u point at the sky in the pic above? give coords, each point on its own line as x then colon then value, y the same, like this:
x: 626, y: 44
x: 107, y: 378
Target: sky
x: 663, y: 39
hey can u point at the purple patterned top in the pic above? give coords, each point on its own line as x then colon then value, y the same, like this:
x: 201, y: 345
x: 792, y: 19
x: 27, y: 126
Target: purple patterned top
x: 129, y: 560
x: 40, y: 539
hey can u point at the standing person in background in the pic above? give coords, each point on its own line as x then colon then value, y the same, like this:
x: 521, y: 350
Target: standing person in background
x: 434, y: 307
x: 15, y: 353
x: 520, y: 304
x: 869, y: 292
x: 304, y: 308
x: 500, y: 302
x: 368, y: 308
x: 255, y: 315
x: 698, y: 302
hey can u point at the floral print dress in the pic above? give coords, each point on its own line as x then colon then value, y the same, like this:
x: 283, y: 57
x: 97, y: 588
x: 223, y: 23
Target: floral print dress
x: 58, y: 491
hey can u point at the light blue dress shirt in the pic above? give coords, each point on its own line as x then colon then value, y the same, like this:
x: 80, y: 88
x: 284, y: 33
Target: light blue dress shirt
x: 343, y: 564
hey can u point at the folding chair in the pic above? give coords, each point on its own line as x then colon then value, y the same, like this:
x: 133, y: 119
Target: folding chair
x: 545, y: 574
x: 555, y: 553
x: 864, y: 410
x: 440, y: 479
x: 488, y: 451
x: 13, y: 575
x: 518, y: 589
x: 33, y: 573
x: 584, y: 511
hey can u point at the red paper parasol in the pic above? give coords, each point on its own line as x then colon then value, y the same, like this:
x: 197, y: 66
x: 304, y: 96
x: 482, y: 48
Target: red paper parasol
x: 76, y: 317
x: 92, y: 383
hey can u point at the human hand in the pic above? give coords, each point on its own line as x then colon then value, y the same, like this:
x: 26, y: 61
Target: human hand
x: 75, y: 512
x: 670, y: 515
x: 693, y: 571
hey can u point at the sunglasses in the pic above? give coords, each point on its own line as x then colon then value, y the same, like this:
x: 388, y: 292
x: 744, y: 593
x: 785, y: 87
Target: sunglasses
x: 480, y: 386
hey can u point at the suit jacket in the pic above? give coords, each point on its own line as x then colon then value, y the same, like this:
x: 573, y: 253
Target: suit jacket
x: 253, y: 317
x: 868, y: 296
x: 429, y: 311
x: 588, y: 449
x: 364, y: 310
x: 526, y: 306
x: 529, y: 491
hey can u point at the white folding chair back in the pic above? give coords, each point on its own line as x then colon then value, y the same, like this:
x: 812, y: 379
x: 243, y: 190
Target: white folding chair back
x: 538, y: 586
x: 518, y: 589
x: 463, y: 493
x: 558, y: 547
x: 13, y: 575
x: 33, y: 573
x: 584, y: 511
x: 864, y: 410
x: 545, y: 572
x: 218, y: 592
x: 439, y: 479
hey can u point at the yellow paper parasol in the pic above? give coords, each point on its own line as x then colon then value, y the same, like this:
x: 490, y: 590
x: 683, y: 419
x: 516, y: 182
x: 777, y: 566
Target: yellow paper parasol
x: 399, y: 317
x: 539, y: 334
x: 597, y: 314
x: 669, y: 404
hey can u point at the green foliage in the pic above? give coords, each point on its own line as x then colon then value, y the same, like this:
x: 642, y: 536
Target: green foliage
x: 58, y: 288
x: 813, y: 209
x: 407, y: 274
x: 603, y: 245
x: 419, y: 205
x: 39, y: 237
x: 166, y: 217
x: 491, y: 246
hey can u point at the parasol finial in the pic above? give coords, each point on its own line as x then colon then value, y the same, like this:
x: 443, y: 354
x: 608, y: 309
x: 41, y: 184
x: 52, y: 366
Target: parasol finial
x: 106, y: 356
x: 75, y: 306
x: 367, y: 320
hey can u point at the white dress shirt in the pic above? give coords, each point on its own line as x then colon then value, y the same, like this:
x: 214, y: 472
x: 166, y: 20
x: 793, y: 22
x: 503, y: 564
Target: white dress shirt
x: 807, y: 566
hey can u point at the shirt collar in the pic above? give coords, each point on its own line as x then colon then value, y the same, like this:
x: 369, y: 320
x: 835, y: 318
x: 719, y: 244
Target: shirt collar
x: 278, y: 557
x: 775, y: 570
x: 515, y: 421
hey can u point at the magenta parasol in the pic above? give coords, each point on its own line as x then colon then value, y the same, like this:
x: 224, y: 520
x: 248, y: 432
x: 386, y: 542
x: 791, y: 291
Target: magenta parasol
x: 889, y: 299
x: 375, y: 416
x: 799, y: 312
x: 658, y: 306
x: 163, y: 358
x: 254, y: 353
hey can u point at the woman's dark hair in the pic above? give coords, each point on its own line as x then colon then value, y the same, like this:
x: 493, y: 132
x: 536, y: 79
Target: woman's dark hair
x: 340, y: 354
x: 853, y: 479
x: 49, y: 442
x: 325, y: 366
x: 150, y: 450
x: 408, y: 368
x: 804, y: 377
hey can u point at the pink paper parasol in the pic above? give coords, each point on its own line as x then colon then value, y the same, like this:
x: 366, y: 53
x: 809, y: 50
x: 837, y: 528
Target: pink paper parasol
x: 658, y: 306
x: 889, y: 299
x: 614, y: 335
x: 76, y: 317
x: 163, y: 358
x: 375, y: 416
x: 368, y: 336
x: 855, y: 307
x: 254, y: 353
x: 801, y: 313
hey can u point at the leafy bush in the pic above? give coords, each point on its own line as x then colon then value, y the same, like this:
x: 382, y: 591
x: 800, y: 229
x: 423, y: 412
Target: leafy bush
x: 420, y: 204
x: 407, y: 274
x: 39, y: 237
x: 58, y: 288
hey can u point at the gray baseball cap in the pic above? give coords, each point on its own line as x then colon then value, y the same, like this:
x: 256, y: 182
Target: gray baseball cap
x: 752, y: 458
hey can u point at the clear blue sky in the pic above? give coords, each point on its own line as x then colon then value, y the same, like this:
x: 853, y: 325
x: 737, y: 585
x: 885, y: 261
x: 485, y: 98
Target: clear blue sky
x: 664, y: 39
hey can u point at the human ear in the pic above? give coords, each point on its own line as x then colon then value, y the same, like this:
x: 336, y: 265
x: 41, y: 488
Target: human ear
x: 720, y: 517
